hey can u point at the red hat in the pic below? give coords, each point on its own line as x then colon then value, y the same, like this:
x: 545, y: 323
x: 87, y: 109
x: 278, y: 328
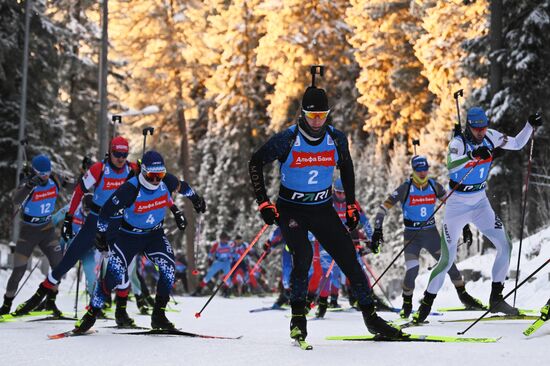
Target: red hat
x: 119, y: 144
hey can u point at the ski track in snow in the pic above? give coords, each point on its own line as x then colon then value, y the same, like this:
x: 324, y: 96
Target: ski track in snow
x: 266, y: 334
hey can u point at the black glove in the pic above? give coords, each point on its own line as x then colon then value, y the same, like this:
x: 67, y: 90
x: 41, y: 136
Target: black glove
x: 101, y: 242
x: 198, y: 203
x: 482, y: 152
x: 352, y: 217
x: 33, y: 182
x: 26, y: 172
x: 377, y: 240
x: 467, y: 236
x: 267, y: 246
x: 67, y: 229
x: 535, y: 120
x: 181, y: 222
x: 269, y: 212
x: 86, y: 163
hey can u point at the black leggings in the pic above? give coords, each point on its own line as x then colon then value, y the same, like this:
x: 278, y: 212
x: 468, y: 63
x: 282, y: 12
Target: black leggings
x: 323, y: 222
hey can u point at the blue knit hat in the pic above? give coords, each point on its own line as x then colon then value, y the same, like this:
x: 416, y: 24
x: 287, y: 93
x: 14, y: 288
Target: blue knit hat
x: 153, y: 162
x: 42, y: 165
x: 477, y: 118
x: 419, y: 163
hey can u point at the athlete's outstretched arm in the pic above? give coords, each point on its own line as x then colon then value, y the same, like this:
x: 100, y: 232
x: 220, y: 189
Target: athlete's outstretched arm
x: 511, y: 143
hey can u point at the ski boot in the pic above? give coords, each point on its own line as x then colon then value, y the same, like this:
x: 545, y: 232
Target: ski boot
x: 298, y: 323
x: 142, y: 304
x: 49, y: 304
x: 45, y: 288
x: 158, y: 317
x: 545, y: 311
x: 121, y: 315
x: 334, y: 302
x: 469, y: 302
x: 407, y: 307
x: 378, y: 326
x: 6, y: 306
x: 284, y: 295
x: 87, y: 321
x: 497, y: 303
x: 425, y: 308
x: 380, y: 304
x: 322, y: 307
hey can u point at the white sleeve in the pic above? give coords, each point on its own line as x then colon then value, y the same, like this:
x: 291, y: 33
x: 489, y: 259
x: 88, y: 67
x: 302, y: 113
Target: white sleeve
x: 511, y: 143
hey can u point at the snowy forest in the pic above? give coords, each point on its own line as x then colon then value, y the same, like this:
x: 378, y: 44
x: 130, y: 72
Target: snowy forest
x: 216, y: 78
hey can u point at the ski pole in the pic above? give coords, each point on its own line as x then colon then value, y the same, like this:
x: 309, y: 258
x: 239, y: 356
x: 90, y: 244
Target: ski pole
x: 369, y: 269
x: 443, y: 201
x: 26, y: 279
x: 146, y: 130
x: 458, y: 126
x: 262, y: 230
x: 415, y: 144
x: 116, y: 118
x: 77, y: 288
x: 195, y: 271
x: 508, y: 294
x: 324, y: 280
x: 257, y: 265
x: 523, y: 208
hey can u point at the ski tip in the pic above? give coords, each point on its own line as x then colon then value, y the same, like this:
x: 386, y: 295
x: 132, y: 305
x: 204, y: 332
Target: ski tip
x: 197, y: 315
x: 56, y: 336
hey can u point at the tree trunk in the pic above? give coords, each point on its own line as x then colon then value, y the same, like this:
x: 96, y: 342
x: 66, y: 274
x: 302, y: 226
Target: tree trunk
x: 184, y: 164
x: 496, y: 45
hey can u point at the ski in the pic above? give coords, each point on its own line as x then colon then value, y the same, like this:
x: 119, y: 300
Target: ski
x: 71, y: 333
x: 53, y: 317
x: 137, y: 327
x: 494, y: 318
x: 11, y: 317
x: 534, y: 327
x: 176, y: 332
x: 485, y: 308
x: 303, y: 344
x: 267, y: 308
x: 414, y: 338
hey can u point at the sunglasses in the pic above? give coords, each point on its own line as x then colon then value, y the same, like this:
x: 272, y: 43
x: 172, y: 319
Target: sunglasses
x: 315, y: 114
x: 154, y: 176
x: 42, y: 174
x: 118, y: 154
x: 479, y: 129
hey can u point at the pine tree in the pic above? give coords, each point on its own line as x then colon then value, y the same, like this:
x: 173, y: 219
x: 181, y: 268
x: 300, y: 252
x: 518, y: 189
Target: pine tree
x: 391, y: 84
x: 238, y: 86
x: 298, y: 35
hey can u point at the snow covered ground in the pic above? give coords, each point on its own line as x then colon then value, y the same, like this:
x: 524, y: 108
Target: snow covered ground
x: 265, y: 335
